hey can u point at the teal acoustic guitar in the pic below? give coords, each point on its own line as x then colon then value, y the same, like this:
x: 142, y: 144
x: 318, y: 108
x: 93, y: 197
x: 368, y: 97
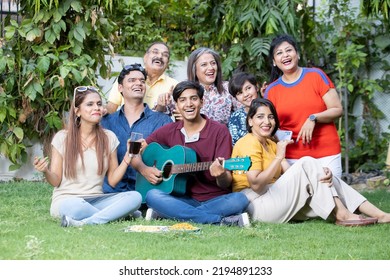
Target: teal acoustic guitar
x: 174, y: 163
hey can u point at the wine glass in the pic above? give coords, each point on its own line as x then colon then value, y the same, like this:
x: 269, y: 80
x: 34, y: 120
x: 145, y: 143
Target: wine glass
x: 135, y: 143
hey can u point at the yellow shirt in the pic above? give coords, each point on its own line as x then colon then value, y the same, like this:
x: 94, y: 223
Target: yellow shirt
x: 162, y: 85
x: 250, y: 146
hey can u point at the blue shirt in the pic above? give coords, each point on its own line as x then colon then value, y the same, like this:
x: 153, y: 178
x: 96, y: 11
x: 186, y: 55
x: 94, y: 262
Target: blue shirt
x: 237, y: 125
x: 148, y: 122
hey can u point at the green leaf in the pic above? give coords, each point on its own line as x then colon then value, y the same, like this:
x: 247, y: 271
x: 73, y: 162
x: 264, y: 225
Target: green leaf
x: 12, y: 112
x: 3, y: 114
x: 32, y: 89
x: 3, y: 148
x: 76, y: 5
x: 57, y: 16
x: 3, y: 64
x: 43, y: 64
x: 79, y: 34
x: 56, y: 29
x: 50, y: 36
x: 64, y: 71
x: 350, y: 87
x: 382, y: 41
x: 18, y: 133
x: 77, y: 75
x: 9, y: 32
x: 62, y: 24
x: 53, y: 120
x: 30, y: 92
x: 14, y: 167
x: 77, y: 49
x: 38, y: 49
x: 33, y: 34
x: 38, y: 87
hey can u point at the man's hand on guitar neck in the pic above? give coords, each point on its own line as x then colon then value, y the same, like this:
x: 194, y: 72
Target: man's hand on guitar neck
x: 222, y: 175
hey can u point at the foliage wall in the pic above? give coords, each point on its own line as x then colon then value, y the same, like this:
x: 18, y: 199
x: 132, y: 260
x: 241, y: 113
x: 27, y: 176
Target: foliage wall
x: 54, y: 48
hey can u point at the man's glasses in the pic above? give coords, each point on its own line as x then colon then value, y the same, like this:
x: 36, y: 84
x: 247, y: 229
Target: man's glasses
x: 157, y: 52
x: 81, y: 89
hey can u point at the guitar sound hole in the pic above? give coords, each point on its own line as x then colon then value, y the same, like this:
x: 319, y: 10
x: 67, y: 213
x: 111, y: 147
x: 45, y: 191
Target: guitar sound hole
x: 167, y: 170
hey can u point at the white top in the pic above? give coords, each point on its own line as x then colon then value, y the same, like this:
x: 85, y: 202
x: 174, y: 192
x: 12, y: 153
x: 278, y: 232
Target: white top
x: 87, y: 183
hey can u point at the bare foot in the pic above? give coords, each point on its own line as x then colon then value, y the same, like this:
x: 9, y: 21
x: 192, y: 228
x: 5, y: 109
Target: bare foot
x: 384, y: 219
x: 347, y: 216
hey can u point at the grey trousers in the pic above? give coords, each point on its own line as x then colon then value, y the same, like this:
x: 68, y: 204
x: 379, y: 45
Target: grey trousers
x: 299, y: 195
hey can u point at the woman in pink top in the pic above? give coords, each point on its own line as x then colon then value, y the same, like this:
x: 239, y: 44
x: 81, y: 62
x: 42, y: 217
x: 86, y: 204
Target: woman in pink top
x: 307, y: 104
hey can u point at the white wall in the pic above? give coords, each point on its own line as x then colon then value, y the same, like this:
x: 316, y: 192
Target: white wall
x: 177, y: 70
x: 27, y: 171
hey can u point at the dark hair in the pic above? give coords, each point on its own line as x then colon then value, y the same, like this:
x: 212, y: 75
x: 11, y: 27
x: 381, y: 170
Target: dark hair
x: 257, y: 103
x: 184, y: 85
x: 157, y: 43
x: 276, y: 42
x: 128, y: 68
x: 238, y: 80
x: 191, y: 66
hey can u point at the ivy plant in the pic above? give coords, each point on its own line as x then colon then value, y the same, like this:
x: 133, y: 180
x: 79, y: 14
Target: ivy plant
x: 54, y: 48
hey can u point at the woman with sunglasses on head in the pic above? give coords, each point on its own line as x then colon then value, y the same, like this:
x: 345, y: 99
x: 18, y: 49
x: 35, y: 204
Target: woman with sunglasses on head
x: 82, y: 154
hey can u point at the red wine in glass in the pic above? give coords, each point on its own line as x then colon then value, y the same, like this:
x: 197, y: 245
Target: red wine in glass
x: 135, y: 143
x: 135, y: 147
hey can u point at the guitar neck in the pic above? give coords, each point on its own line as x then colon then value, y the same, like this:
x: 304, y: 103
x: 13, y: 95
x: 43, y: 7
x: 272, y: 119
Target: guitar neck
x: 191, y: 167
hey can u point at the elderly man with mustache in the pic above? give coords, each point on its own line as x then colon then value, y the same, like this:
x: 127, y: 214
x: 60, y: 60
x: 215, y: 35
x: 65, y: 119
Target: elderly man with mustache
x: 156, y: 61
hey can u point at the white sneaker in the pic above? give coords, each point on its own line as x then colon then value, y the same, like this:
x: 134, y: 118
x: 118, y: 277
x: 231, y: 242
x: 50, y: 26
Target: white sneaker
x: 69, y: 222
x: 241, y: 220
x: 244, y: 220
x: 150, y: 214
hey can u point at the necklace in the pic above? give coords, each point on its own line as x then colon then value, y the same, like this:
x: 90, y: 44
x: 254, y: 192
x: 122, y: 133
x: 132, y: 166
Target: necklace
x: 87, y: 141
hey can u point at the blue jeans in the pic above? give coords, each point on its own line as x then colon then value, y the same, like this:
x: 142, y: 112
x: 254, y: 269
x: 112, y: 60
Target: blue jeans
x: 185, y: 208
x: 101, y: 209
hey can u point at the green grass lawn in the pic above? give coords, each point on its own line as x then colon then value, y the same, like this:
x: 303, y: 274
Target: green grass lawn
x: 28, y: 232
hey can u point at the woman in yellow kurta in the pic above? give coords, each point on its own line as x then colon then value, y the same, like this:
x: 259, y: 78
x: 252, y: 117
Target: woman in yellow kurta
x: 279, y: 193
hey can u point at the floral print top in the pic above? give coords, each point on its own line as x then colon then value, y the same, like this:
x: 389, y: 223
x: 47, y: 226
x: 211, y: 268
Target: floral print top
x: 218, y: 106
x: 237, y: 125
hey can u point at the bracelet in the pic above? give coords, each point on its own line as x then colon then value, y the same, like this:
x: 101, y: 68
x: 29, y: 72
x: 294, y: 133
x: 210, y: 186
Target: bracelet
x: 279, y: 158
x: 124, y: 159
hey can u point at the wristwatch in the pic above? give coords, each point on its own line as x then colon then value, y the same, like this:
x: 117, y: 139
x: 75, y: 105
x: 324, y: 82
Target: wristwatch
x: 313, y: 118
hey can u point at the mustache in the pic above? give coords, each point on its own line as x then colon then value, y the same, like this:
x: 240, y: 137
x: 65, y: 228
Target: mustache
x: 157, y: 59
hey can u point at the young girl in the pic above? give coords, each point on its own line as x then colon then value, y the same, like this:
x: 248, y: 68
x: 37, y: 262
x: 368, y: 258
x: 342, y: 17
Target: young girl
x: 243, y: 87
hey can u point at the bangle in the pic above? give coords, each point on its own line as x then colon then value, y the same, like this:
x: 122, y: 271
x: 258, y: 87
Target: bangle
x: 279, y: 158
x: 124, y: 159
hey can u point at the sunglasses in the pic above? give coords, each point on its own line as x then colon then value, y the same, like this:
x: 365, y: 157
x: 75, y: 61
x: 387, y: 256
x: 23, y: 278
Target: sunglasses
x: 81, y: 89
x: 133, y: 67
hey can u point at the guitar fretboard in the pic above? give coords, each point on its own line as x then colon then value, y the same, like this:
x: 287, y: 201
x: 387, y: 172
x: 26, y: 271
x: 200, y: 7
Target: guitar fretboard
x: 191, y: 167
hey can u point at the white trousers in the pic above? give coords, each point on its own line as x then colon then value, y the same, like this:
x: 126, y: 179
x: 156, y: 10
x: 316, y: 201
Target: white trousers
x: 299, y: 195
x: 333, y: 162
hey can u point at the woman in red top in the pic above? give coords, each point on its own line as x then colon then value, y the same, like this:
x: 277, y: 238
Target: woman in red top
x: 307, y: 103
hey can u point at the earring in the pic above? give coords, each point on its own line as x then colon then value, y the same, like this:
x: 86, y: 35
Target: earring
x: 77, y: 121
x: 274, y: 64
